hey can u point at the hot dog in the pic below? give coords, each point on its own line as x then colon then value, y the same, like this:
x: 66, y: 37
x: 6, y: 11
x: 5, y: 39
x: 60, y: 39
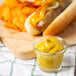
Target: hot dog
x: 50, y: 20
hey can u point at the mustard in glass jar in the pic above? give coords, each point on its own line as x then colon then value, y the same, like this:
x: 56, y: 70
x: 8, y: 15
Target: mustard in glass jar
x: 50, y: 51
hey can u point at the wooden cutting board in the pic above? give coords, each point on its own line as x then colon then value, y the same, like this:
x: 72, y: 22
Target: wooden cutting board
x: 20, y: 43
x: 69, y: 34
x: 22, y: 49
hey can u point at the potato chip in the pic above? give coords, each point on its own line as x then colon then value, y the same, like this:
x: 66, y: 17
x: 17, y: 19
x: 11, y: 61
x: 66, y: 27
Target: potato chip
x: 0, y: 12
x: 14, y: 14
x: 6, y: 13
x: 26, y: 10
x: 19, y: 21
x: 11, y: 3
x: 12, y: 26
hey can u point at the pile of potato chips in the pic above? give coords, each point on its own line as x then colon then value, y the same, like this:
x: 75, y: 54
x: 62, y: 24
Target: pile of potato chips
x: 15, y: 12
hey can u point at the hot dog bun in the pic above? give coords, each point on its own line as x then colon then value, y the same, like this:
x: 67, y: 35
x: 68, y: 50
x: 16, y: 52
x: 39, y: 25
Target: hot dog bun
x: 57, y: 25
x: 30, y: 29
x: 62, y: 20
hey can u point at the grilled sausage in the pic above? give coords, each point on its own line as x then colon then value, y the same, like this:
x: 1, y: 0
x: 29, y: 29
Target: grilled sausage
x: 52, y: 14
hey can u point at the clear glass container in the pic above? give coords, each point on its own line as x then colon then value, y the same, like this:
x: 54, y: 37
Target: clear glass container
x: 49, y: 62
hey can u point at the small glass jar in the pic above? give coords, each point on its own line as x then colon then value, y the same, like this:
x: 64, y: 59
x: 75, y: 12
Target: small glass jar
x: 49, y: 62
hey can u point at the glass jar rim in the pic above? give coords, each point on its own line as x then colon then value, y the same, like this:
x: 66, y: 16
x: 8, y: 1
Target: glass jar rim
x: 65, y: 47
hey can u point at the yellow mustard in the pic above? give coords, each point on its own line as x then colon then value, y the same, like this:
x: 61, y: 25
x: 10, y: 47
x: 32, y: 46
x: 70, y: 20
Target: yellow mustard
x: 49, y: 46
